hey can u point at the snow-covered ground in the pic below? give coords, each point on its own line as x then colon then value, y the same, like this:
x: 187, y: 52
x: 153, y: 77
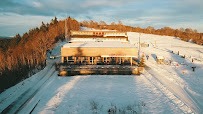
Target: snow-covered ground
x: 178, y: 76
x: 161, y: 88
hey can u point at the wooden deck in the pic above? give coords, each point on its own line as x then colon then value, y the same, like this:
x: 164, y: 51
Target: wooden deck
x: 70, y: 70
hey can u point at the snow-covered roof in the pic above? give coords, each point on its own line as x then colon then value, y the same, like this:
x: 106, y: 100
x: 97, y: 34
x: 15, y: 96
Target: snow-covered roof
x: 100, y: 44
x: 92, y: 29
x: 115, y: 35
x: 160, y: 57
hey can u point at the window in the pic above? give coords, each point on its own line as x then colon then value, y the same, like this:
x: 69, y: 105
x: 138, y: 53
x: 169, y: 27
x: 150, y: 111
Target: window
x: 65, y: 59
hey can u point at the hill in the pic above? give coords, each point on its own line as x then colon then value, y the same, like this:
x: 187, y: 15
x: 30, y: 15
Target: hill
x: 161, y: 88
x: 5, y: 37
x: 25, y: 54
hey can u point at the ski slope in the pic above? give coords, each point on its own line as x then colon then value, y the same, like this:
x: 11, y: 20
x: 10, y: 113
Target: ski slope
x: 178, y: 76
x: 161, y: 88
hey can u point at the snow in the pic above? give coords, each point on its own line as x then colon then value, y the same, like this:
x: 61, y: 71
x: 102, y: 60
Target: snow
x: 178, y: 77
x: 160, y: 57
x: 100, y: 44
x: 92, y: 29
x: 162, y: 88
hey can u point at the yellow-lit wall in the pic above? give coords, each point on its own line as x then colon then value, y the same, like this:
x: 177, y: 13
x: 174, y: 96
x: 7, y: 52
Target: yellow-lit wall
x: 65, y: 52
x: 101, y: 33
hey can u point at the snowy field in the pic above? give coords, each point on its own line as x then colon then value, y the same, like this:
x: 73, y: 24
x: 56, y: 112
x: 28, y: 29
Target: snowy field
x: 161, y: 88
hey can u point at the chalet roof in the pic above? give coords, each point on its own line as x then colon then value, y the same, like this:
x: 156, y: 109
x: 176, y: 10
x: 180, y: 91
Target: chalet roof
x: 100, y: 44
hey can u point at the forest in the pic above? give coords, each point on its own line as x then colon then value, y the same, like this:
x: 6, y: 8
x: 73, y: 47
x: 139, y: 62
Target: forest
x: 22, y: 55
x: 184, y: 34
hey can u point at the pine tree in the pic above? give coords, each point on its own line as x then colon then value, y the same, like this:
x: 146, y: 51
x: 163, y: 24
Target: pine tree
x: 43, y: 27
x: 141, y: 64
x: 55, y: 20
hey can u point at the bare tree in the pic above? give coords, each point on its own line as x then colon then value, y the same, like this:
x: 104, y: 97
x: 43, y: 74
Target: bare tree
x: 102, y: 23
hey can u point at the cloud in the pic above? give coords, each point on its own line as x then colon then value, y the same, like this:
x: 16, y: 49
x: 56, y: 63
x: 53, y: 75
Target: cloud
x: 52, y: 7
x: 37, y: 4
x: 143, y: 13
x: 11, y: 23
x: 112, y: 3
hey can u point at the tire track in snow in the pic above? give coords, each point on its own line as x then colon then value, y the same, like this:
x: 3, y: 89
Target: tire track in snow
x: 6, y: 98
x: 31, y: 97
x: 16, y: 105
x: 32, y: 103
x: 170, y: 95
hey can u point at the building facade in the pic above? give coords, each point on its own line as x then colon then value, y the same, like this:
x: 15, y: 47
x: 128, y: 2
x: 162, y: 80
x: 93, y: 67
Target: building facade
x: 98, y: 48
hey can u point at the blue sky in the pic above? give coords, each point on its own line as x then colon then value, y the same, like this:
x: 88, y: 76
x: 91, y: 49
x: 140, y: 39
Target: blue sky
x: 18, y: 16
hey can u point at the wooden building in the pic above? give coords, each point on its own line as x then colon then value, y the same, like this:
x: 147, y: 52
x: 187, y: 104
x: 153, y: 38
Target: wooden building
x: 98, y: 35
x: 98, y: 52
x: 93, y: 52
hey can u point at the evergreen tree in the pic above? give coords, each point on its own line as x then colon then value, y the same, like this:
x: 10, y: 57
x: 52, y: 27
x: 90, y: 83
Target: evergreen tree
x: 142, y: 64
x: 55, y: 20
x: 43, y: 27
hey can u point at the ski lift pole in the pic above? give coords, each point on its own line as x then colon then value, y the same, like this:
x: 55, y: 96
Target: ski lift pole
x: 139, y: 47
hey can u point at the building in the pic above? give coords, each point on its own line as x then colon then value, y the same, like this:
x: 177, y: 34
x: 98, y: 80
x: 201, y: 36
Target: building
x: 98, y: 47
x: 98, y: 35
x: 94, y: 52
x: 160, y: 59
x: 98, y: 52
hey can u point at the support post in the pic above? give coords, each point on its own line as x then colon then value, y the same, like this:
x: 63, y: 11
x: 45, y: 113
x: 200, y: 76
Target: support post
x: 120, y: 60
x: 95, y: 62
x: 123, y: 59
x: 62, y: 59
x: 81, y: 59
x: 88, y: 60
x: 116, y: 60
x: 109, y: 59
x: 75, y: 60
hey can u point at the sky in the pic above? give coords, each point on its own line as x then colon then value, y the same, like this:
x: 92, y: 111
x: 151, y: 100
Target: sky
x: 18, y: 16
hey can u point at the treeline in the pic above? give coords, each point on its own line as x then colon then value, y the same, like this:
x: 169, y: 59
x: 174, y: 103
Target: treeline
x: 4, y: 43
x: 22, y: 54
x: 184, y: 34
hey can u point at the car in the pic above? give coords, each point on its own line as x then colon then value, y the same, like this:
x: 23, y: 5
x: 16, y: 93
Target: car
x: 52, y: 57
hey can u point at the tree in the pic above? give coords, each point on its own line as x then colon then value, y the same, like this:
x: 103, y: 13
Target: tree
x: 142, y: 64
x: 15, y: 41
x: 85, y: 23
x: 113, y: 23
x: 150, y: 29
x: 43, y: 27
x: 195, y: 31
x: 182, y: 29
x: 188, y: 30
x: 55, y: 20
x: 102, y: 23
x: 120, y: 22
